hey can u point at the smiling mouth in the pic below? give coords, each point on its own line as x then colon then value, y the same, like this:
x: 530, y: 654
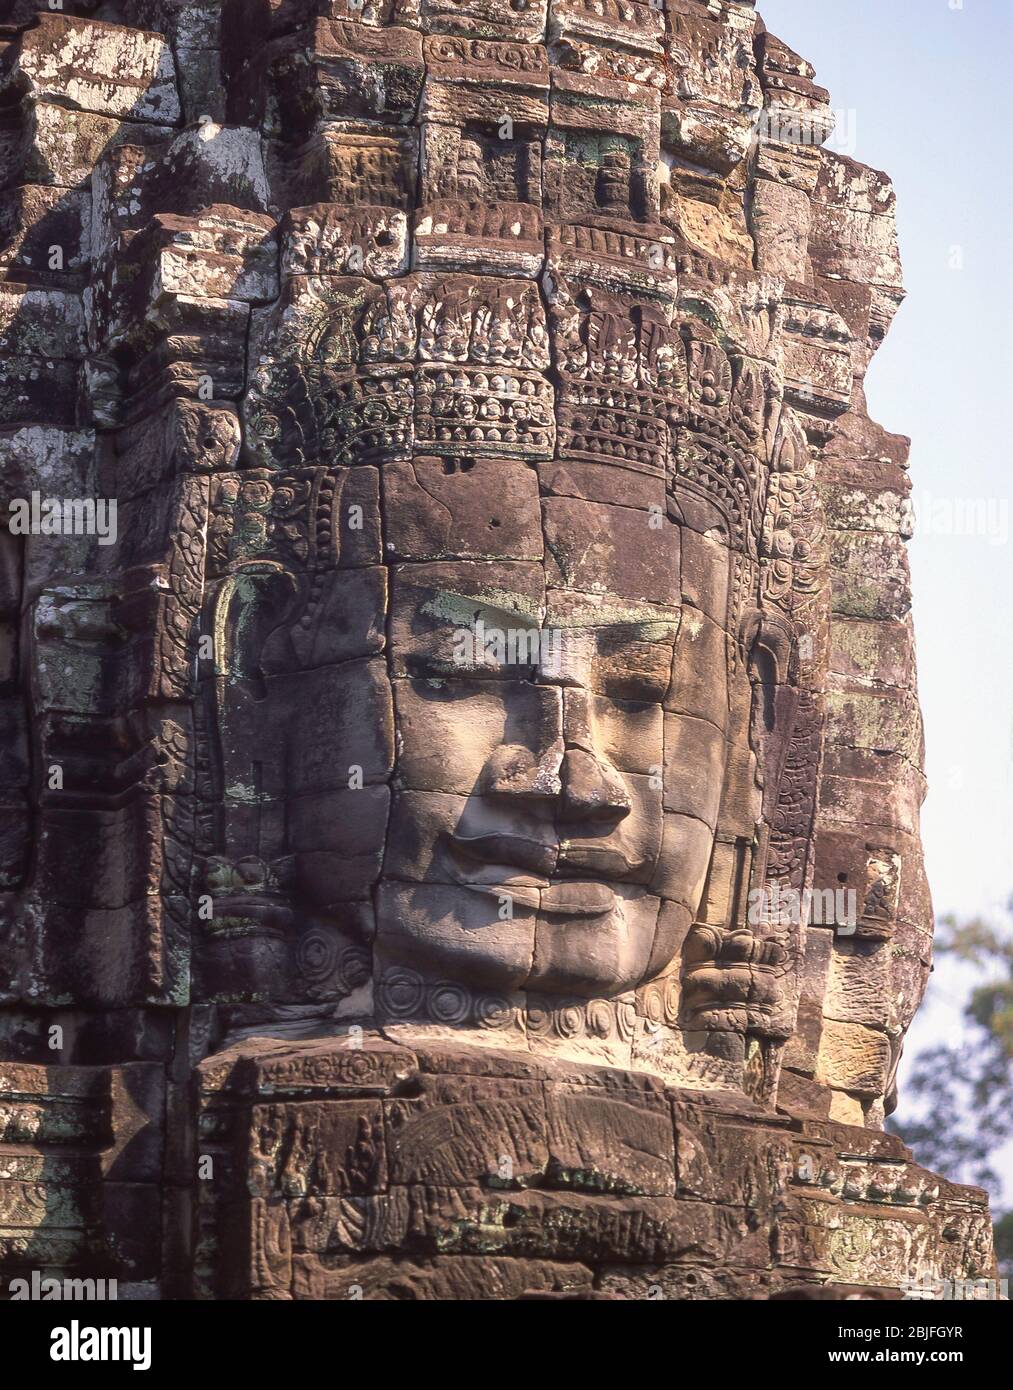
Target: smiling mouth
x: 558, y: 898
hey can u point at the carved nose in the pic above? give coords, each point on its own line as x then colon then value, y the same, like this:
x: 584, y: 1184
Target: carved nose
x: 514, y: 770
x: 592, y: 790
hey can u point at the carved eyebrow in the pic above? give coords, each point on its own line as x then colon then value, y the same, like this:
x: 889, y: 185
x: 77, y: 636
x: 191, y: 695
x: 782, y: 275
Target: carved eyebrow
x: 464, y: 609
x: 651, y: 623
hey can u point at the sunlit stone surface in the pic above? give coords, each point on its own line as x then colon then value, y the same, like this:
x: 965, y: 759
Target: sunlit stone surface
x: 459, y: 826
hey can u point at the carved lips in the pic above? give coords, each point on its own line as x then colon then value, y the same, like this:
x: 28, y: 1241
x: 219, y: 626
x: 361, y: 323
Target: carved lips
x: 496, y: 864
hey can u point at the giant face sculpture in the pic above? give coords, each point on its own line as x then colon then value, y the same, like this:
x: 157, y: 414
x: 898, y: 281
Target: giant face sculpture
x: 476, y: 402
x: 520, y: 711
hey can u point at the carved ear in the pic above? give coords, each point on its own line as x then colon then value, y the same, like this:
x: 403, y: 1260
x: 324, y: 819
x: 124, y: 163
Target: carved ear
x: 768, y: 646
x: 252, y: 604
x: 768, y: 642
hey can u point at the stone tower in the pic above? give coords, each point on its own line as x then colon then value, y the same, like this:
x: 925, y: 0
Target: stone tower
x: 459, y: 834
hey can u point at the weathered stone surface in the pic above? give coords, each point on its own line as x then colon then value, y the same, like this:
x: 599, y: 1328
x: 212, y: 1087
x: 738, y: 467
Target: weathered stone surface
x: 106, y: 68
x: 449, y: 574
x: 853, y: 1057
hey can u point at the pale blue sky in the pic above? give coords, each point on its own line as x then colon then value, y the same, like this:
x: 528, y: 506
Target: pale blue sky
x: 924, y: 87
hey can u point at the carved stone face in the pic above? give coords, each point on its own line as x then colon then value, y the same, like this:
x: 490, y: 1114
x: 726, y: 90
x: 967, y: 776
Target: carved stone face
x: 489, y: 470
x: 535, y: 830
x: 560, y: 729
x: 490, y: 708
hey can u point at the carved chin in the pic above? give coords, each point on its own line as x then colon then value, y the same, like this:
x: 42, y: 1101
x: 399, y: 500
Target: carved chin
x: 595, y: 956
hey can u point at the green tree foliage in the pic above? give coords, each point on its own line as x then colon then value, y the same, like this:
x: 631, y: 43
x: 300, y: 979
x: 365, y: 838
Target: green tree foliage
x: 964, y: 1090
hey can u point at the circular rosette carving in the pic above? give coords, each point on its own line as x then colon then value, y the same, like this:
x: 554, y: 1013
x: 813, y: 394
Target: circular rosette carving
x: 401, y: 993
x: 670, y: 1000
x: 328, y: 966
x: 316, y: 956
x: 494, y: 1011
x: 570, y: 1021
x: 654, y: 1003
x: 448, y: 1003
x: 626, y: 1019
x: 539, y: 1020
x: 601, y: 1021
